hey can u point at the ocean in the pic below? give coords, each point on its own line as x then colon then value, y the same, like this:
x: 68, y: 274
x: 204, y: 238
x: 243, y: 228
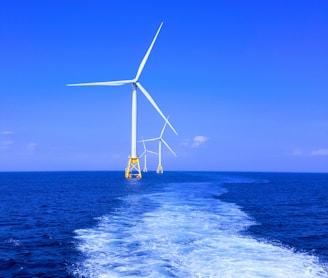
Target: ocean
x: 179, y: 224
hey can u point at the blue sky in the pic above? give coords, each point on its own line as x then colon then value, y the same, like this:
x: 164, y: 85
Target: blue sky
x: 244, y: 83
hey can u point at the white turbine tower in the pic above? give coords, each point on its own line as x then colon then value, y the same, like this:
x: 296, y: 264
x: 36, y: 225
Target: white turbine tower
x: 133, y: 168
x: 160, y: 141
x: 145, y: 155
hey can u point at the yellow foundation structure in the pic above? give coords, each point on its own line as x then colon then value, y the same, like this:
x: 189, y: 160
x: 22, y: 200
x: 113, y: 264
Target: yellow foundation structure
x: 159, y: 169
x: 133, y: 169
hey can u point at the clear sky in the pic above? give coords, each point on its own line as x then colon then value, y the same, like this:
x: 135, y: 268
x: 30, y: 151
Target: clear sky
x: 245, y: 84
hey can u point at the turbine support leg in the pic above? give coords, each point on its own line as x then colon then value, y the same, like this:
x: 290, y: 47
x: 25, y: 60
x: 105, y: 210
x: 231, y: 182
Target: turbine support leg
x: 159, y: 169
x: 133, y: 169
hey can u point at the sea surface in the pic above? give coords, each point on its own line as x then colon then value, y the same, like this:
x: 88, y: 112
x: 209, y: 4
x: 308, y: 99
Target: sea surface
x: 179, y: 224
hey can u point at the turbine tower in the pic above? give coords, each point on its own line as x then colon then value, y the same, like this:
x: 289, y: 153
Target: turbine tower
x: 133, y: 168
x: 145, y: 155
x: 160, y: 141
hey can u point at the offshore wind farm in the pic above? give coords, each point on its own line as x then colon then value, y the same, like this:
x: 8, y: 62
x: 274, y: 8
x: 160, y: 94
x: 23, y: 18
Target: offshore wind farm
x: 133, y: 169
x: 223, y: 72
x: 144, y: 155
x: 245, y: 85
x: 160, y: 140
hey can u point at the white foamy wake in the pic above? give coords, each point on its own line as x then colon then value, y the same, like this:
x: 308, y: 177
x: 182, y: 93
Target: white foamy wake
x: 184, y: 237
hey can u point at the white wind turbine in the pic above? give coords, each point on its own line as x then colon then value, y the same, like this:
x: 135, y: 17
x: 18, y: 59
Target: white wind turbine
x: 145, y: 155
x: 133, y: 168
x: 160, y: 141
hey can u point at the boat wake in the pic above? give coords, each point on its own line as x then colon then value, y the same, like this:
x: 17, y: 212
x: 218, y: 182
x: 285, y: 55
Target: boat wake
x: 181, y: 234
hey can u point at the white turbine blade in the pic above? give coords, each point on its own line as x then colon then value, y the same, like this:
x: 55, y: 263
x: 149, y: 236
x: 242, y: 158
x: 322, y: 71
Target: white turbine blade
x: 152, y: 139
x: 144, y: 152
x: 144, y: 145
x: 148, y: 96
x: 144, y: 60
x: 168, y: 147
x: 106, y: 83
x: 151, y: 152
x: 146, y: 140
x: 162, y: 132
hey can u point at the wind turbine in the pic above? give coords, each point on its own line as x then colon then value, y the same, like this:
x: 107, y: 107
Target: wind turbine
x: 160, y: 141
x: 133, y: 168
x: 145, y: 155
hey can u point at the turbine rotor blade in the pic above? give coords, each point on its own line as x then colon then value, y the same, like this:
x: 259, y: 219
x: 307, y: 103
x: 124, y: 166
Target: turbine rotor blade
x: 168, y: 147
x: 144, y: 60
x: 145, y: 149
x: 162, y: 132
x: 151, y: 100
x: 152, y: 139
x: 106, y: 83
x: 144, y: 145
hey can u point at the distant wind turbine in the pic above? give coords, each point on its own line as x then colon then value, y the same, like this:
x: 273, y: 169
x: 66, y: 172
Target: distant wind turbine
x: 160, y: 141
x: 144, y: 154
x: 133, y: 168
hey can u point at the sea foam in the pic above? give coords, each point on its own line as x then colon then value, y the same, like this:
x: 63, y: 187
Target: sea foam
x: 184, y: 235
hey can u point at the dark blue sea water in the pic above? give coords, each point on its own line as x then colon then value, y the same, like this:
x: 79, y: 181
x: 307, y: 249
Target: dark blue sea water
x: 179, y: 224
